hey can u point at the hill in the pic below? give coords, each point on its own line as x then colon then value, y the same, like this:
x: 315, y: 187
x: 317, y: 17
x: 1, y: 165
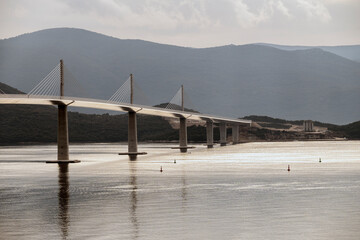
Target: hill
x: 349, y: 131
x: 228, y: 80
x: 282, y: 123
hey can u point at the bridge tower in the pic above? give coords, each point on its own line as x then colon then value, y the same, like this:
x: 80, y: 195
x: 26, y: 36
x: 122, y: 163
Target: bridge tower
x: 132, y: 126
x: 63, y: 132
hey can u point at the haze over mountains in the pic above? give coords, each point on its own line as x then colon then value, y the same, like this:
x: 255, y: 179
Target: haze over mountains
x: 228, y: 80
x: 351, y: 52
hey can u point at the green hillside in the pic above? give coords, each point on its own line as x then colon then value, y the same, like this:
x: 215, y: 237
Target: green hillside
x: 350, y: 131
x: 283, y: 122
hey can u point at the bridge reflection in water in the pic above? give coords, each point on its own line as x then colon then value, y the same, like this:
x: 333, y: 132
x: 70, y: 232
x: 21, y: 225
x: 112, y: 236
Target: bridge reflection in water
x: 63, y: 197
x: 133, y: 199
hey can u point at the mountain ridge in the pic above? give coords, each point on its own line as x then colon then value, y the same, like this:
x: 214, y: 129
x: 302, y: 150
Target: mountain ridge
x: 351, y: 52
x: 226, y: 80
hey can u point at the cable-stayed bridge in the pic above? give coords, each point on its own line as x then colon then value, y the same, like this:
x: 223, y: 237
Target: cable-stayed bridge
x: 51, y: 91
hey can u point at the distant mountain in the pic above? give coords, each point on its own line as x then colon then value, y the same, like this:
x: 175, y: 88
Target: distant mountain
x: 229, y: 80
x: 351, y: 52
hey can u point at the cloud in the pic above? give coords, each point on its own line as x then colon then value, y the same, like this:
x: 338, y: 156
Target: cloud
x: 191, y: 22
x: 151, y: 15
x: 281, y: 7
x: 262, y: 13
x: 338, y: 1
x: 315, y: 9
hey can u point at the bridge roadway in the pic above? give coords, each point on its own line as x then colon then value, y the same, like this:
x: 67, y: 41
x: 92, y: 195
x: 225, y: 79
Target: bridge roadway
x: 113, y: 106
x: 132, y: 109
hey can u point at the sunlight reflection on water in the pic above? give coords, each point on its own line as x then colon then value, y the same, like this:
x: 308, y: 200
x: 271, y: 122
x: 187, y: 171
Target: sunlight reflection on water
x: 241, y: 191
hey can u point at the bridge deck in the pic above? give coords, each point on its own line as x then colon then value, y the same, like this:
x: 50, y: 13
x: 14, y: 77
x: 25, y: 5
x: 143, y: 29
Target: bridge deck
x: 113, y: 106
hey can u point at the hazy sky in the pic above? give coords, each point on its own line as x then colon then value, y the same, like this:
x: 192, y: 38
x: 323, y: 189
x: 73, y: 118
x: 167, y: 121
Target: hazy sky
x: 193, y: 23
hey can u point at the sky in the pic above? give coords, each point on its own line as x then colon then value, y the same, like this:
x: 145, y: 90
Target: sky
x: 193, y: 23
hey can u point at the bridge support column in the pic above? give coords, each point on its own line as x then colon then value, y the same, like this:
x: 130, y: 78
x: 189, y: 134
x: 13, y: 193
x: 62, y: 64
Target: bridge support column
x: 235, y: 133
x: 132, y: 128
x: 222, y: 134
x: 183, y: 135
x: 132, y: 138
x: 63, y: 133
x: 132, y: 135
x: 210, y: 134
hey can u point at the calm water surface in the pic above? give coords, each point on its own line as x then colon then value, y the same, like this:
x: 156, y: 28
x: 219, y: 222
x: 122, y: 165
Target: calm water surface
x: 233, y: 192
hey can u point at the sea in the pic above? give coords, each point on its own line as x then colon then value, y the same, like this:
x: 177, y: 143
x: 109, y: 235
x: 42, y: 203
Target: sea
x: 262, y: 190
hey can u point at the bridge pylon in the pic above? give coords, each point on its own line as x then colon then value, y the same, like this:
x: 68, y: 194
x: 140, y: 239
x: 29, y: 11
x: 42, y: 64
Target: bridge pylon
x: 183, y: 126
x: 63, y: 129
x: 132, y: 128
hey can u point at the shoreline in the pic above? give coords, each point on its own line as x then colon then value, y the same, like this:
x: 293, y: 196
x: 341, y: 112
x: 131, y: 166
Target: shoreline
x: 174, y: 142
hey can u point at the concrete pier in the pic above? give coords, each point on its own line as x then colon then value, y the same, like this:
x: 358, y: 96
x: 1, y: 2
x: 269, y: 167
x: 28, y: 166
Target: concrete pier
x: 132, y: 138
x: 235, y: 134
x: 63, y: 134
x: 183, y: 135
x: 132, y: 135
x: 222, y: 127
x: 210, y: 134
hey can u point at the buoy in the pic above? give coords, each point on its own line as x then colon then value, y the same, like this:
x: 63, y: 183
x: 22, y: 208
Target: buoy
x: 319, y: 159
x: 288, y: 168
x: 161, y: 169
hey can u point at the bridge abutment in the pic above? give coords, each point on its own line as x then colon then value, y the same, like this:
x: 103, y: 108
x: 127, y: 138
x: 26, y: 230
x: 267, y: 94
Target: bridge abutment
x: 222, y: 127
x: 210, y: 134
